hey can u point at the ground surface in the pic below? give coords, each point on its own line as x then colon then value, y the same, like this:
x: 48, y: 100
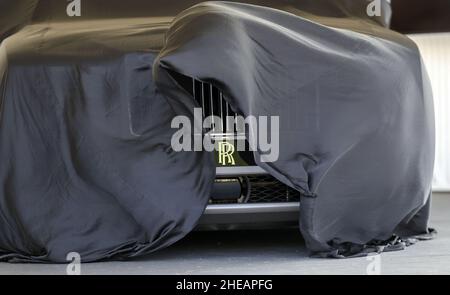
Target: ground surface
x: 268, y: 252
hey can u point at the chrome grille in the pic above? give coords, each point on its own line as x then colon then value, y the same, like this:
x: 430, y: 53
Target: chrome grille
x: 213, y: 103
x: 256, y: 188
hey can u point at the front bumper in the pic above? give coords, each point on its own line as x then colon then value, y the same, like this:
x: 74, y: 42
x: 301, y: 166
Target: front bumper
x: 248, y: 215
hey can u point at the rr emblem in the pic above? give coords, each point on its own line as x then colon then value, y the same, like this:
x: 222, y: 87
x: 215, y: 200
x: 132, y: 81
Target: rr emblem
x: 226, y: 151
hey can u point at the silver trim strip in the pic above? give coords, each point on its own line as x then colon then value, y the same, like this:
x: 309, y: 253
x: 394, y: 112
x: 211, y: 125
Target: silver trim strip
x: 228, y: 136
x: 252, y: 208
x: 241, y: 170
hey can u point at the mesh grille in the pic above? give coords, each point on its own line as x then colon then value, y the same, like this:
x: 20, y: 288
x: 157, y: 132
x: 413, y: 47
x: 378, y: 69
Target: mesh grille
x: 264, y: 189
x: 267, y: 189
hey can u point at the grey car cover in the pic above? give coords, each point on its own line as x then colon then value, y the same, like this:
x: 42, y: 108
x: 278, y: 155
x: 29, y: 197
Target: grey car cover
x: 86, y: 104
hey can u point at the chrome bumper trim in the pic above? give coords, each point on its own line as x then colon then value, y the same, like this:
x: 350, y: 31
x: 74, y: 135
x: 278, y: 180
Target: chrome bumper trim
x: 252, y: 208
x: 237, y: 171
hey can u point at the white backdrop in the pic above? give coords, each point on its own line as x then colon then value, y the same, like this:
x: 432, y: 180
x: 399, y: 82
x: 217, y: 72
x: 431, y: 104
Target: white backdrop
x: 435, y: 49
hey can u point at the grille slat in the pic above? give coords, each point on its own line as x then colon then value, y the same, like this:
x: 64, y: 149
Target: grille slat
x: 221, y: 112
x: 202, y: 101
x: 211, y: 99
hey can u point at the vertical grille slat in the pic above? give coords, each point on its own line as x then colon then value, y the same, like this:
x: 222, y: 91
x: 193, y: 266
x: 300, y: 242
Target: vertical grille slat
x: 202, y: 100
x: 221, y: 112
x: 211, y: 99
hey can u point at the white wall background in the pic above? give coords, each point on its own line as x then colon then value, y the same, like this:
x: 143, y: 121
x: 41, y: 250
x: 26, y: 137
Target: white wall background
x: 435, y: 49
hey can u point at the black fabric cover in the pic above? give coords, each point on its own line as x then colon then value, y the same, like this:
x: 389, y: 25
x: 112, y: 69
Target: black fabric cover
x: 86, y: 105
